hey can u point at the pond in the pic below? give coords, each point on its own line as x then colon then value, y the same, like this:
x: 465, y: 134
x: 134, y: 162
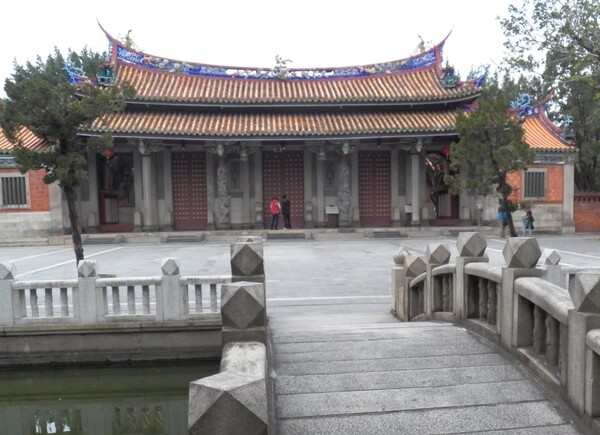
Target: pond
x: 99, y: 400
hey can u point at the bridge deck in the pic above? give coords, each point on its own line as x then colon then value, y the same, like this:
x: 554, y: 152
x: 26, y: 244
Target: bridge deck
x: 372, y: 374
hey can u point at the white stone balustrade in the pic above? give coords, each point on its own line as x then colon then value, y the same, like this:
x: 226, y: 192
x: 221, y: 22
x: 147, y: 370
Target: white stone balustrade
x: 546, y: 315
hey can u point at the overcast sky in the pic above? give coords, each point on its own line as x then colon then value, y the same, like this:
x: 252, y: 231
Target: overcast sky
x: 311, y: 33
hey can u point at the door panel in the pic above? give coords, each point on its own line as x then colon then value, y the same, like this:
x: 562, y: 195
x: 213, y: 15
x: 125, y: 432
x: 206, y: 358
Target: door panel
x: 189, y: 191
x: 374, y: 188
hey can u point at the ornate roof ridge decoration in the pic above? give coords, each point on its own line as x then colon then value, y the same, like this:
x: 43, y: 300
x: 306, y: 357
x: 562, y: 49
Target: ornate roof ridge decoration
x: 124, y: 52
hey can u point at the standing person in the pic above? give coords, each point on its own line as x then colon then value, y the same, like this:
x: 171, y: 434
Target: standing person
x: 286, y: 206
x: 528, y: 223
x: 502, y: 218
x: 275, y: 212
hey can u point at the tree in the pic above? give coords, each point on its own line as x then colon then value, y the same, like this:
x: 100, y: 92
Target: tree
x: 491, y: 146
x: 41, y: 98
x: 560, y: 42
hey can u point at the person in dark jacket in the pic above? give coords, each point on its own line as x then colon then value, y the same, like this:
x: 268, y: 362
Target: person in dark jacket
x: 286, y: 207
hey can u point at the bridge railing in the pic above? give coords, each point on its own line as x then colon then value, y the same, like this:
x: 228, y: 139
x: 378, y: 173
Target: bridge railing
x: 90, y: 299
x: 547, y: 316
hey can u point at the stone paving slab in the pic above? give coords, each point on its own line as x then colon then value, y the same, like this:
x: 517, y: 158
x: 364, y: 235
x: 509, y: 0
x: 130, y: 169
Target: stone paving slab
x: 361, y: 402
x: 415, y: 378
x: 535, y: 418
x: 379, y: 352
x: 387, y: 365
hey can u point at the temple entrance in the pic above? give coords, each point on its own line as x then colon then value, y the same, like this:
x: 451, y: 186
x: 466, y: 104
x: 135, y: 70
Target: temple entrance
x: 374, y: 188
x: 283, y: 173
x: 445, y: 204
x: 189, y: 191
x: 116, y: 199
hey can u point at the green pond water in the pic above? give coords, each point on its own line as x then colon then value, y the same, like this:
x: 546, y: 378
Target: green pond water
x: 99, y: 400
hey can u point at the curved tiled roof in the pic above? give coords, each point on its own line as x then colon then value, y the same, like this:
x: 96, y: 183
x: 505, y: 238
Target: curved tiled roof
x: 412, y: 87
x: 275, y: 125
x: 27, y: 138
x: 412, y: 80
x: 541, y: 136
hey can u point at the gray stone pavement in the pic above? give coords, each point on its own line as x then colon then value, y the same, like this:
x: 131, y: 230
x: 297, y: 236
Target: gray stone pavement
x: 342, y: 363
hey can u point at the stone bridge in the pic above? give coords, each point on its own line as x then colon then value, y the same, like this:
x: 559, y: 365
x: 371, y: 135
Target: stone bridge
x: 463, y: 345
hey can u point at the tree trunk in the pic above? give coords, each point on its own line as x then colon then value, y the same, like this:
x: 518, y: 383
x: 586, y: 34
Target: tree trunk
x: 71, y: 197
x: 506, y: 207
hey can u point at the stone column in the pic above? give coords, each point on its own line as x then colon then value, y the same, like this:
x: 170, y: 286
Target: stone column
x: 311, y: 218
x: 93, y: 208
x: 247, y: 206
x: 344, y: 193
x: 395, y: 200
x: 57, y: 216
x: 166, y: 221
x: 258, y: 190
x: 149, y: 221
x: 223, y: 197
x: 568, y: 223
x: 355, y: 220
x: 210, y: 193
x: 319, y: 211
x: 138, y: 192
x: 415, y: 171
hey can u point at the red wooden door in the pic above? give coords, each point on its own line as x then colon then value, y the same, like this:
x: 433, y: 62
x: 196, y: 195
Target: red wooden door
x: 283, y: 174
x: 189, y: 191
x: 374, y: 188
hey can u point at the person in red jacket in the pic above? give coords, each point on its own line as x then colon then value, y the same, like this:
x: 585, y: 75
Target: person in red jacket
x: 275, y: 212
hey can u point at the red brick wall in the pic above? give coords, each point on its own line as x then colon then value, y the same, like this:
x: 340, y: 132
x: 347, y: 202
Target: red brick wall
x: 586, y: 212
x: 39, y: 195
x: 554, y: 184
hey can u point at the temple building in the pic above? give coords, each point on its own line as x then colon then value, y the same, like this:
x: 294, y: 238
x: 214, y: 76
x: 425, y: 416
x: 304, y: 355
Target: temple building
x: 210, y: 146
x: 205, y: 147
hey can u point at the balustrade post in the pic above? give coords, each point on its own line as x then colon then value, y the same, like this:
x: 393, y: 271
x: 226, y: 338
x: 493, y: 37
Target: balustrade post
x: 7, y: 300
x: 436, y: 255
x: 247, y: 260
x: 471, y: 248
x: 399, y: 292
x: 173, y: 301
x: 521, y: 255
x: 87, y: 300
x: 243, y: 311
x: 414, y: 266
x: 551, y: 259
x: 585, y: 293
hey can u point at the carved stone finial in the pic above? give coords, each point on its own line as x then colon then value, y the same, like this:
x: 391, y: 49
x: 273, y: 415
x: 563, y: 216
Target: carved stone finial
x: 521, y: 252
x: 87, y: 269
x: 437, y: 253
x: 550, y: 257
x: 585, y: 292
x: 471, y: 244
x: 7, y: 271
x: 414, y: 265
x: 170, y: 266
x: 401, y: 255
